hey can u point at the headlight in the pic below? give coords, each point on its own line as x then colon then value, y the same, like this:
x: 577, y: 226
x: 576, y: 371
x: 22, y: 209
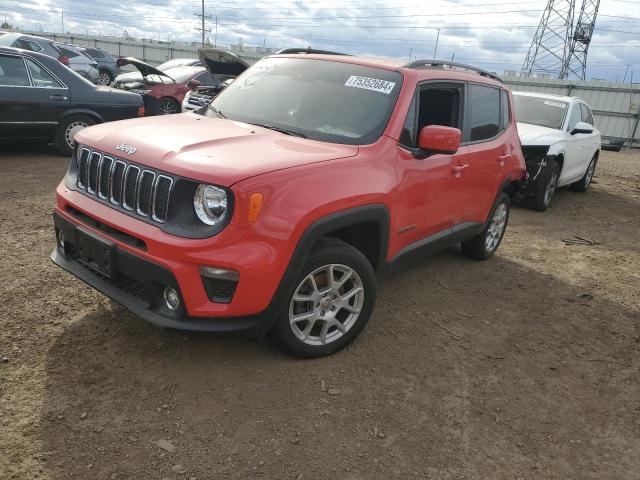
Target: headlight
x: 210, y: 204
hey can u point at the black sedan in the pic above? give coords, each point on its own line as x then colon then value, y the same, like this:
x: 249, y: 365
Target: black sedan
x: 40, y: 98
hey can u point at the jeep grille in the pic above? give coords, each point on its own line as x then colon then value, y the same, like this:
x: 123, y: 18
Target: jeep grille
x: 135, y: 188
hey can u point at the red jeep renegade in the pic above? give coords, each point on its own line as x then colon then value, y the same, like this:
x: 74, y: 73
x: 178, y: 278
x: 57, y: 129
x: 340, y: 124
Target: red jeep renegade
x: 280, y: 205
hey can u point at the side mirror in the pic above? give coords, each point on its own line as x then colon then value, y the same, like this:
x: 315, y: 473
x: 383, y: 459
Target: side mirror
x: 438, y: 139
x: 582, y: 127
x: 193, y: 83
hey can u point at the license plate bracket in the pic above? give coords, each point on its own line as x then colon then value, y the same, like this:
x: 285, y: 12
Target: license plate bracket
x: 95, y: 252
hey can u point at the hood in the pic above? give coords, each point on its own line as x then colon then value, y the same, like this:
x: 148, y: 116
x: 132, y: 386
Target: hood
x: 536, y: 135
x: 221, y: 62
x: 144, y: 68
x: 212, y: 150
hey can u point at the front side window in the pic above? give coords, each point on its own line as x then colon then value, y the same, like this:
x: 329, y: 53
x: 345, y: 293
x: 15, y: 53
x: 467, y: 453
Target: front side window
x: 575, y: 118
x: 437, y: 105
x: 41, y: 78
x: 484, y: 112
x: 544, y: 112
x: 322, y: 100
x: 13, y: 73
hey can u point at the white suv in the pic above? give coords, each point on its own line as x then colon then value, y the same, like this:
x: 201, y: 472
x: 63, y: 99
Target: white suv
x: 560, y: 144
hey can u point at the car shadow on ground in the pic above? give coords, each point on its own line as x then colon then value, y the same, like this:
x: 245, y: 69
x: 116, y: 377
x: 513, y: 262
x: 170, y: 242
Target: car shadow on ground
x: 466, y: 370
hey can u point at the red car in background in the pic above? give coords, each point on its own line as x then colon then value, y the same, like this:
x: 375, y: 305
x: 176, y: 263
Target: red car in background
x: 163, y: 91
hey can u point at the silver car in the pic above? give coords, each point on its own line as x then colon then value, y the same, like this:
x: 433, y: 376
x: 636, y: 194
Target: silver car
x: 72, y: 56
x: 79, y: 61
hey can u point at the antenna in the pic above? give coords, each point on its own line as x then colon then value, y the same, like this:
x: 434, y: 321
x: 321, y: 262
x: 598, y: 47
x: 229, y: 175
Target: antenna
x: 203, y: 17
x: 549, y: 49
x: 576, y: 62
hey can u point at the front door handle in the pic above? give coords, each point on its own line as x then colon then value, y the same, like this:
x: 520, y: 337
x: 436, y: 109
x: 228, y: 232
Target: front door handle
x: 59, y: 98
x: 457, y: 170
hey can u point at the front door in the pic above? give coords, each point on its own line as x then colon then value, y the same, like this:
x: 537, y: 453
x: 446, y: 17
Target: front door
x: 425, y: 208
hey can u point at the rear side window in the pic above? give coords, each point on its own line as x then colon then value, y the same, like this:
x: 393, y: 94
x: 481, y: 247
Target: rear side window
x: 587, y: 116
x: 41, y: 78
x: 93, y: 53
x: 13, y: 72
x: 29, y: 45
x: 505, y: 111
x: 484, y: 112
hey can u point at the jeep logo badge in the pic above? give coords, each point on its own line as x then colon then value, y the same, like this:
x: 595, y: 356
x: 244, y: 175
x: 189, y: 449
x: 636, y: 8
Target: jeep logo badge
x: 126, y: 148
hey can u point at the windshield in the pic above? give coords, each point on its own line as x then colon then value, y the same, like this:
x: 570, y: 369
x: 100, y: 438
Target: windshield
x: 322, y: 100
x: 544, y: 112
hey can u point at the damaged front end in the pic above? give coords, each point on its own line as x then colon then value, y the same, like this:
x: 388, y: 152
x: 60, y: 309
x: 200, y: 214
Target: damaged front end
x: 536, y: 158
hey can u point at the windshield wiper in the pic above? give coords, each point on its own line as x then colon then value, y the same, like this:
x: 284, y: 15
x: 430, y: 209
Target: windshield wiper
x: 216, y: 111
x: 280, y: 129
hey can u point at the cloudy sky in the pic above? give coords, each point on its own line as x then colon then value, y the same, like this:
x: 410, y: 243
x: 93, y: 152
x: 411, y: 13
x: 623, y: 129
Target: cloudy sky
x: 491, y: 34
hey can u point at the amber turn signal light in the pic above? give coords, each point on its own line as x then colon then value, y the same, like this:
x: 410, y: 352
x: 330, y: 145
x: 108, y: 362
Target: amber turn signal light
x: 141, y: 111
x: 255, y: 205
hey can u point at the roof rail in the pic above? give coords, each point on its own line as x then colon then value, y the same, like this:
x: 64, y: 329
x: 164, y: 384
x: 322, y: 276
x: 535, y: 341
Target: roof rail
x: 444, y: 63
x: 285, y: 51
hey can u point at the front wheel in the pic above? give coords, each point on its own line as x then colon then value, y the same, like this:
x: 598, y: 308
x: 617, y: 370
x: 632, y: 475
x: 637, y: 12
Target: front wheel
x: 332, y: 301
x: 545, y: 186
x: 485, y: 244
x: 583, y: 184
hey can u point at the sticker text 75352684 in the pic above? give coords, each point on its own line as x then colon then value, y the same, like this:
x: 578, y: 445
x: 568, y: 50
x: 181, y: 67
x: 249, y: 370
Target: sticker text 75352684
x: 374, y: 84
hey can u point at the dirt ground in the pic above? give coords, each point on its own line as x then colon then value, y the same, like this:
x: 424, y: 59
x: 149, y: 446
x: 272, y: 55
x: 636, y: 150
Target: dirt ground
x: 522, y: 367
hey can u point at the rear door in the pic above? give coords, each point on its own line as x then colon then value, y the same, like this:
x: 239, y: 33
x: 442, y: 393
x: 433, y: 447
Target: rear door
x: 475, y: 186
x: 33, y: 99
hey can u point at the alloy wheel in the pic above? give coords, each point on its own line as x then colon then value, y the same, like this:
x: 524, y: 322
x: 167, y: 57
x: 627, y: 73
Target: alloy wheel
x: 104, y: 79
x: 551, y: 188
x: 496, y: 228
x: 167, y: 107
x: 326, y: 304
x: 589, y: 175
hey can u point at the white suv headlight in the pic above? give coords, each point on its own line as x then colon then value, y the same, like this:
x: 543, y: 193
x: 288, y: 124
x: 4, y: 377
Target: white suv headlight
x: 210, y: 204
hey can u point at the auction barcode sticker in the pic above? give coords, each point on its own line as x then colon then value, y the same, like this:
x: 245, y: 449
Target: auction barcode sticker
x: 382, y: 86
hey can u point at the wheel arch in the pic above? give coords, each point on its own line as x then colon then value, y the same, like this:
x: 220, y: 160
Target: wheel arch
x: 365, y: 228
x: 82, y: 111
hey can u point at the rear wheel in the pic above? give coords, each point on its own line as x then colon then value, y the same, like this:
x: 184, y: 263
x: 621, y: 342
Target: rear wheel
x: 485, y: 244
x: 167, y: 106
x: 582, y: 185
x: 104, y: 77
x: 331, y: 303
x: 545, y: 187
x: 67, y: 130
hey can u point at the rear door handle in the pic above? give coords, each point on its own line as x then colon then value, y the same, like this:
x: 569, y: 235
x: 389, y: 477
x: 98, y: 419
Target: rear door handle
x: 59, y: 98
x: 502, y: 159
x: 457, y: 170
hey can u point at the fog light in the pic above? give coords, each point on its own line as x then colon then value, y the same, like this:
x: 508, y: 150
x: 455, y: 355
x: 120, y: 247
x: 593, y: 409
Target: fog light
x: 171, y: 298
x: 61, y: 239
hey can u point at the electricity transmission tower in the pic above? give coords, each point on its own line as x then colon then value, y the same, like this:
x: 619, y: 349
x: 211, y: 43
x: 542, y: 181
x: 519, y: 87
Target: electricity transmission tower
x: 576, y: 62
x: 549, y: 49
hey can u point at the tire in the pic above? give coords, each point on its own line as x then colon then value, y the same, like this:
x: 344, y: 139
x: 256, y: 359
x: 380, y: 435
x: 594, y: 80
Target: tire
x: 67, y: 130
x: 104, y: 77
x: 583, y: 184
x: 167, y: 106
x: 328, y: 315
x: 545, y: 187
x: 486, y: 243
